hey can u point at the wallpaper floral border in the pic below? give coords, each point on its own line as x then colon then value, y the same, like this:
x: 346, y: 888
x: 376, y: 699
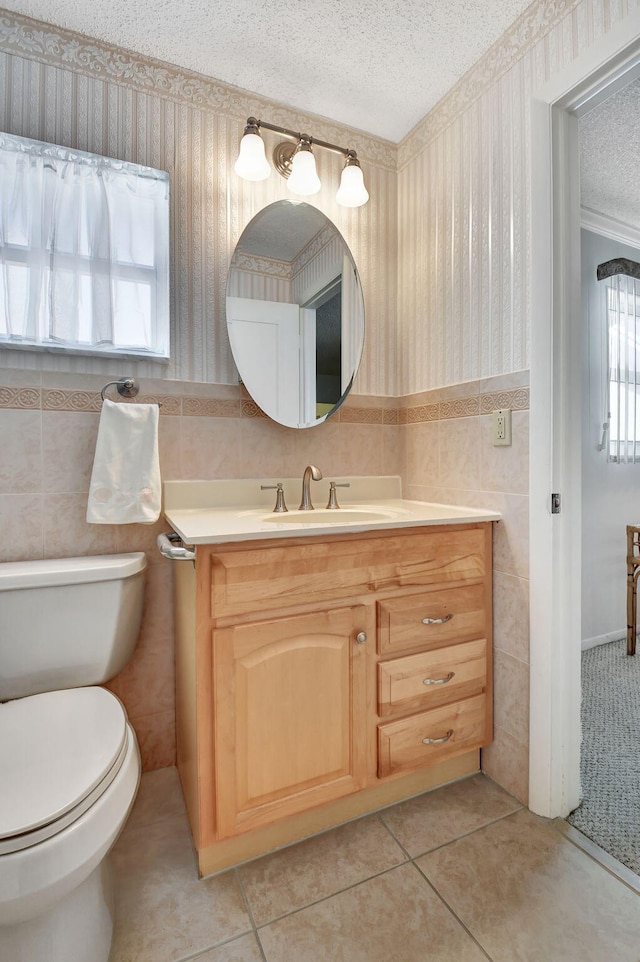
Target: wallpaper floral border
x: 57, y: 46
x: 532, y: 25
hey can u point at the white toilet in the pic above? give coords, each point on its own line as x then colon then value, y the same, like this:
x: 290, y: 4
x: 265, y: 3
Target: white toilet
x: 69, y: 761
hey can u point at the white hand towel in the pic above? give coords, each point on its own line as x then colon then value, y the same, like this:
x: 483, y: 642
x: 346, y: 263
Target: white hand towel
x: 125, y: 482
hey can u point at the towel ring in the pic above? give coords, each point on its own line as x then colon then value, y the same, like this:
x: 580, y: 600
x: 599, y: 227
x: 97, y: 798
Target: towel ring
x: 127, y: 387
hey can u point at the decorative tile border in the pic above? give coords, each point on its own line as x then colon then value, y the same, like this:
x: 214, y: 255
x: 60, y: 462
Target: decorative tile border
x: 389, y: 412
x: 464, y: 407
x: 169, y: 403
x: 516, y: 400
x: 25, y: 398
x: 53, y: 400
x: 356, y: 415
x: 419, y: 413
x: 210, y: 407
x: 22, y: 36
x: 251, y: 410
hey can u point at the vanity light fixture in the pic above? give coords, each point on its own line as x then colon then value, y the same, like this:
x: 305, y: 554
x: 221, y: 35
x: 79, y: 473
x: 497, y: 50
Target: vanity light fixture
x: 252, y: 163
x: 295, y: 162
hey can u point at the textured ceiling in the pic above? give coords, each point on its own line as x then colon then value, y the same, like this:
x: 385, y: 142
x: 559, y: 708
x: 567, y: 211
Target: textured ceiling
x: 372, y: 65
x: 610, y: 156
x: 282, y: 230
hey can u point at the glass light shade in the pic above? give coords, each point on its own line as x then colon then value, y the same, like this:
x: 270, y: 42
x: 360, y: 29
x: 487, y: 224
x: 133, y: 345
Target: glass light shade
x: 252, y: 163
x: 352, y: 192
x: 303, y: 178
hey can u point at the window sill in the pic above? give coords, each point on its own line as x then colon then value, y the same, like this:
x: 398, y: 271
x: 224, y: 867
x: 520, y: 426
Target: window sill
x: 86, y: 352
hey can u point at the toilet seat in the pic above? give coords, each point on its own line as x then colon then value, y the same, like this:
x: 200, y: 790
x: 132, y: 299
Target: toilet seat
x: 59, y: 751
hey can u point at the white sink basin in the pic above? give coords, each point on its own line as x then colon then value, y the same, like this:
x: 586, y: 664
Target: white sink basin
x: 323, y: 516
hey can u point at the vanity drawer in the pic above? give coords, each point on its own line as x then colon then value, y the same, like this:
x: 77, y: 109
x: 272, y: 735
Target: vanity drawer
x: 432, y: 736
x: 432, y: 678
x: 272, y: 577
x: 452, y: 614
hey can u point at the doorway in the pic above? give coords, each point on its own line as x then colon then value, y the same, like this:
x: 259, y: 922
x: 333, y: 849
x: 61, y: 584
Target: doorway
x: 556, y: 405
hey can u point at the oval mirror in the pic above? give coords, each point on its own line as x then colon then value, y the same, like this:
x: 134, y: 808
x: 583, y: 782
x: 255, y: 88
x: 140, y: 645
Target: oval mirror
x: 295, y: 313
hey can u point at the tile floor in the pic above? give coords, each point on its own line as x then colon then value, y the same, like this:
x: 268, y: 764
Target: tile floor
x: 461, y: 874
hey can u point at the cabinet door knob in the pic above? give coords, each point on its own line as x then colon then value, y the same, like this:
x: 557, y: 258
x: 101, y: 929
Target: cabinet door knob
x: 438, y: 741
x: 437, y: 621
x: 361, y: 637
x: 438, y: 681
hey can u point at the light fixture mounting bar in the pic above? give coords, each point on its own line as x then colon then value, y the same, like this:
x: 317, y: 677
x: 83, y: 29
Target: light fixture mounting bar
x: 296, y: 135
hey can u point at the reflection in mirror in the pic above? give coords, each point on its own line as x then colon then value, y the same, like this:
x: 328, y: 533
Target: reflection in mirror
x: 295, y: 314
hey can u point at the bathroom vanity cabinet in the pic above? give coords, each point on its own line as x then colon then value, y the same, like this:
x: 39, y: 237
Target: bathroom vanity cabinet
x: 319, y: 678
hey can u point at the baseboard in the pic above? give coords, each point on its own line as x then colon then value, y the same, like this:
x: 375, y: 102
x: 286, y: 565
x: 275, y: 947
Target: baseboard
x: 619, y: 635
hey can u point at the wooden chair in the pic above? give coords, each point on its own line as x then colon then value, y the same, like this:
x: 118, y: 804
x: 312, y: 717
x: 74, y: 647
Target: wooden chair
x: 633, y: 571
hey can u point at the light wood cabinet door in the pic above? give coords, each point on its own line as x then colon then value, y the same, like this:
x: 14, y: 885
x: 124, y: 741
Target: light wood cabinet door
x: 290, y: 704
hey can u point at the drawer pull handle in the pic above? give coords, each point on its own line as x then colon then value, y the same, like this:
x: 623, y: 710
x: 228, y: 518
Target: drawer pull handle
x: 361, y: 637
x: 438, y: 741
x: 437, y: 621
x: 438, y: 681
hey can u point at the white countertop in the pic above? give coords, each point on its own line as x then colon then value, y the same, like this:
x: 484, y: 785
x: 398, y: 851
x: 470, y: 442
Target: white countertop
x: 215, y: 512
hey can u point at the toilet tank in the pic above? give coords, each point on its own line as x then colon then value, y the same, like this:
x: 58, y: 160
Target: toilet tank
x: 68, y: 622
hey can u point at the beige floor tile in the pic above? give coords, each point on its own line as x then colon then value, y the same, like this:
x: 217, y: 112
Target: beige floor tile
x: 395, y: 917
x: 529, y: 895
x: 164, y: 912
x: 436, y: 818
x: 318, y: 867
x: 244, y: 949
x: 159, y: 796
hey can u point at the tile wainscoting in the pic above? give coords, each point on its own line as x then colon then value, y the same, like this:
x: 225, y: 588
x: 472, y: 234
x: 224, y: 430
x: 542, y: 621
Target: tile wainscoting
x: 438, y: 441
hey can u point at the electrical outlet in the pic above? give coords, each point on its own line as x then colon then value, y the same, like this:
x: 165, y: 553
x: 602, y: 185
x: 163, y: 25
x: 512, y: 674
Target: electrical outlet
x: 501, y: 427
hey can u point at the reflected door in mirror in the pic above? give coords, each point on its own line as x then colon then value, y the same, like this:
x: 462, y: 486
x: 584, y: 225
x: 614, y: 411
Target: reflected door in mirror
x: 295, y: 314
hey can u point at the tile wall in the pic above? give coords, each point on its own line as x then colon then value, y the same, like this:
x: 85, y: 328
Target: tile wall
x: 438, y: 441
x: 448, y: 456
x: 48, y: 428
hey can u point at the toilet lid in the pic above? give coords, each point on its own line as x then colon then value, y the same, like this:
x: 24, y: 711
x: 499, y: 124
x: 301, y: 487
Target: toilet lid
x: 55, y: 748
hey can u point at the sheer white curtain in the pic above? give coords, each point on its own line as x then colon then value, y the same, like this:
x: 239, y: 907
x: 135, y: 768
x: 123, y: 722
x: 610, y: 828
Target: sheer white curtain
x: 84, y: 250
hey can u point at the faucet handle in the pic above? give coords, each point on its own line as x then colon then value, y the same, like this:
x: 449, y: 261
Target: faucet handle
x: 280, y: 505
x: 333, y: 500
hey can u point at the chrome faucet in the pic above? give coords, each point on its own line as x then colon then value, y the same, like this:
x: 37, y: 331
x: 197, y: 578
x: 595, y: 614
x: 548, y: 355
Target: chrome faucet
x: 309, y: 472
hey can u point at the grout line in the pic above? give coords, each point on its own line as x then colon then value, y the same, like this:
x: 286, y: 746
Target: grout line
x: 245, y: 897
x: 260, y: 946
x: 193, y: 957
x: 325, y: 898
x: 247, y: 902
x: 408, y: 859
x: 449, y: 909
x: 396, y: 840
x: 458, y: 838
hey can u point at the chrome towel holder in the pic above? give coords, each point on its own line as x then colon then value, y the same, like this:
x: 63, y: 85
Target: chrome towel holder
x: 127, y: 387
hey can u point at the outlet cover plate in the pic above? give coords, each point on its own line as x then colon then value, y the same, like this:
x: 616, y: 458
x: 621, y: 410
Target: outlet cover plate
x: 502, y: 427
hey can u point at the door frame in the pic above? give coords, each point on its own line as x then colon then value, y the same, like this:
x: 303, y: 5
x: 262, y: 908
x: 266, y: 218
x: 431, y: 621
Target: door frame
x: 556, y: 397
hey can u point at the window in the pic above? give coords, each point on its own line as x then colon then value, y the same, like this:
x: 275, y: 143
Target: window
x: 623, y: 364
x: 84, y: 252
